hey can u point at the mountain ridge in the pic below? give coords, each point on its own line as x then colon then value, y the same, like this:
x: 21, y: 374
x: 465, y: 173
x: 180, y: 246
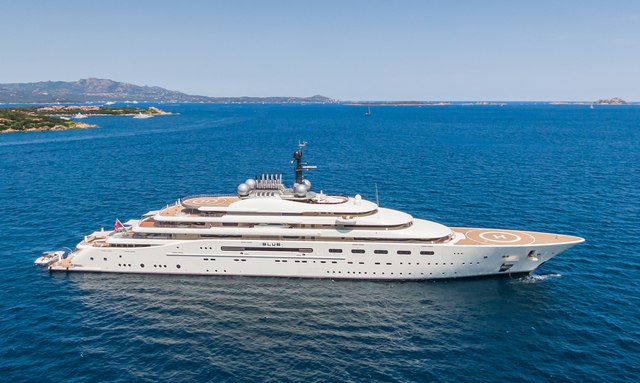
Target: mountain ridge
x: 104, y: 90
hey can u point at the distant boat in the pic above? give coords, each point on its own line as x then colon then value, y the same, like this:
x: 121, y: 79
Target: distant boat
x: 141, y: 115
x: 368, y: 112
x: 80, y: 115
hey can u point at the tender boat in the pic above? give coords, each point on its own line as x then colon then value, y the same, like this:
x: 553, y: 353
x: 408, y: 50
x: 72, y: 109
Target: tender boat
x: 49, y: 257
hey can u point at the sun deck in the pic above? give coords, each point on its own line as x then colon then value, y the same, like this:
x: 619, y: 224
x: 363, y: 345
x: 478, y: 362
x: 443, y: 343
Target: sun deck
x: 502, y: 237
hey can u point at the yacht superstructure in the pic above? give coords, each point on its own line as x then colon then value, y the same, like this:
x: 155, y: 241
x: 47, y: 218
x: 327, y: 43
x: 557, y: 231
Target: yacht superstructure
x: 268, y: 229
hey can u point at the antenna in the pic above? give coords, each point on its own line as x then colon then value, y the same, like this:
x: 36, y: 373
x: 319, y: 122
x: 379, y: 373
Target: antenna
x: 377, y: 199
x: 300, y: 166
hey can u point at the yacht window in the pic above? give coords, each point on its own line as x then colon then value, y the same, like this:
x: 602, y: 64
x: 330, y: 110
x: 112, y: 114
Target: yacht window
x: 404, y: 252
x: 335, y: 250
x: 268, y: 248
x: 427, y: 253
x: 357, y: 251
x: 381, y: 252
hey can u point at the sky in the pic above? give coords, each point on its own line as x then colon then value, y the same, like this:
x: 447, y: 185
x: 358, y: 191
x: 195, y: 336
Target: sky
x: 349, y: 50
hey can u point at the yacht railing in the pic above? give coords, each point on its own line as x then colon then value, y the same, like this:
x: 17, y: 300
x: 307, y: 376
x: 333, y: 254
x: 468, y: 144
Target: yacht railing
x: 207, y: 196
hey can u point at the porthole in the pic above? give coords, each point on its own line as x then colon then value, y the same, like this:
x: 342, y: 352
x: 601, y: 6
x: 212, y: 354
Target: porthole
x: 178, y: 266
x: 142, y: 265
x: 91, y: 258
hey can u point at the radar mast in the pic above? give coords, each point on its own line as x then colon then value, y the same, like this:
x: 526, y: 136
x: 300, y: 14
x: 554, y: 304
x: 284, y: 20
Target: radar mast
x: 300, y: 166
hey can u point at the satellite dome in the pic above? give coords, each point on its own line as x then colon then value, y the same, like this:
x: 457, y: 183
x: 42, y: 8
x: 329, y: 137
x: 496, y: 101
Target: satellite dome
x: 300, y: 190
x: 307, y: 183
x: 243, y: 190
x: 251, y: 183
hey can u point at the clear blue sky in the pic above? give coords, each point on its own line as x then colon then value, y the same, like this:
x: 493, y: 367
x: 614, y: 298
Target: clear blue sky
x: 351, y: 50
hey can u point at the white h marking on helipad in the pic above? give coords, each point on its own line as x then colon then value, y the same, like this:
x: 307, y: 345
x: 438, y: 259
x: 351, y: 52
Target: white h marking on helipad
x: 499, y: 237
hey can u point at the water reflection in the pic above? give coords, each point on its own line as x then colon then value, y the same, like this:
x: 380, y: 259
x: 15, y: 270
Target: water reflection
x: 216, y: 319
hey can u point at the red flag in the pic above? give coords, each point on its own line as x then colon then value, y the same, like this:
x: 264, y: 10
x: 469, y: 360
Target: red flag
x: 117, y: 225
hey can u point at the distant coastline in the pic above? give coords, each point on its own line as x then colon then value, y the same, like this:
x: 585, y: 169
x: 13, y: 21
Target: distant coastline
x: 108, y: 92
x: 54, y: 118
x: 95, y: 90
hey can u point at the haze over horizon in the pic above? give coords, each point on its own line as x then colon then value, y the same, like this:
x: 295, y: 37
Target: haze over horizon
x: 357, y: 50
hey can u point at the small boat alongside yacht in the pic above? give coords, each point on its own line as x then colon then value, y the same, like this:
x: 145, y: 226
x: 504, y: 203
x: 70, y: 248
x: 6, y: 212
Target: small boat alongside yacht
x: 49, y: 257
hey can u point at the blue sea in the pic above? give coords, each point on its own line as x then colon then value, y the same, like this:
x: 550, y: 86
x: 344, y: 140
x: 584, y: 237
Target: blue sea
x: 565, y: 169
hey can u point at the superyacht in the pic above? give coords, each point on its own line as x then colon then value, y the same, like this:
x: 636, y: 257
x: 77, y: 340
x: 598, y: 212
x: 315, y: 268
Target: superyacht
x: 270, y: 230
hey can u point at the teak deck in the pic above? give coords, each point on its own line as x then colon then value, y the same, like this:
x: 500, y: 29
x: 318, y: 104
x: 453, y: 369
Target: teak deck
x: 502, y: 237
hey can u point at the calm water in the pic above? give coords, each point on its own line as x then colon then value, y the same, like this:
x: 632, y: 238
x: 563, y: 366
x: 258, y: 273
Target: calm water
x: 565, y: 169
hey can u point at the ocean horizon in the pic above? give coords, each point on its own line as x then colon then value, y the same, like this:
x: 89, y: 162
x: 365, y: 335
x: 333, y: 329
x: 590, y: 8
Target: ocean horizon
x: 532, y: 166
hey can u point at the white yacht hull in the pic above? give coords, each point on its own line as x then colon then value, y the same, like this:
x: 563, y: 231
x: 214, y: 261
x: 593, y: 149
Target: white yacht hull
x: 236, y: 257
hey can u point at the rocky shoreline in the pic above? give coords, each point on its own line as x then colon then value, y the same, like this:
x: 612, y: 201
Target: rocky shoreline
x: 55, y: 128
x: 56, y: 117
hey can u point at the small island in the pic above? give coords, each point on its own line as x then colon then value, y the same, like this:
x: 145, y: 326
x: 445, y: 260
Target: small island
x: 604, y: 101
x: 612, y: 101
x: 57, y: 117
